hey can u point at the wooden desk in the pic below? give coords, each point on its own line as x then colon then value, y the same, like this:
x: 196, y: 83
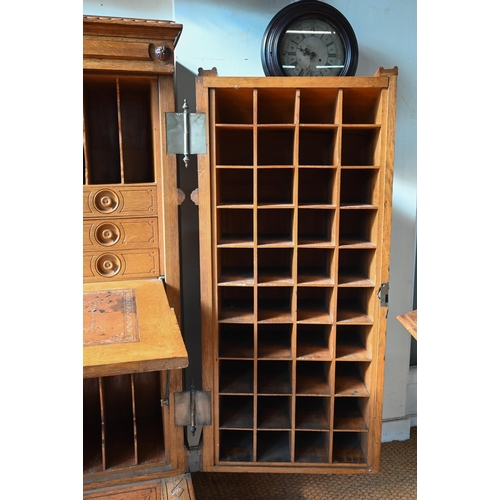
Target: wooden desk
x: 409, y: 321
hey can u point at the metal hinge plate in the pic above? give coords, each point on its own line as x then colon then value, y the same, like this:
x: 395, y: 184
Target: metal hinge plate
x: 192, y: 408
x: 383, y: 294
x: 186, y: 133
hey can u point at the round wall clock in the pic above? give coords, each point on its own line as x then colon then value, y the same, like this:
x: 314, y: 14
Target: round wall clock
x: 309, y: 38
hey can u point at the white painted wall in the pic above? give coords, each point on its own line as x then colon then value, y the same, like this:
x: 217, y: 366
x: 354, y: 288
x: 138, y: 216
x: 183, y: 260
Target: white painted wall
x: 227, y: 35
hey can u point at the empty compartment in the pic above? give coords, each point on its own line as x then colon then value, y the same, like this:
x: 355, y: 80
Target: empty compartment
x: 274, y: 377
x: 137, y: 135
x: 92, y: 433
x: 317, y: 146
x: 236, y: 304
x: 350, y: 414
x: 236, y: 340
x: 275, y: 105
x: 314, y: 342
x: 235, y: 186
x: 275, y: 186
x: 236, y: 412
x: 353, y: 343
x: 351, y: 378
x: 316, y: 226
x: 236, y: 446
x: 235, y: 226
x: 273, y: 412
x: 235, y: 377
x: 273, y: 446
x: 274, y: 266
x: 360, y: 146
x: 234, y: 105
x: 274, y: 341
x: 312, y: 447
x: 313, y: 378
x: 315, y: 266
x: 359, y: 187
x: 148, y: 415
x: 235, y: 266
x: 234, y: 146
x: 362, y: 105
x: 356, y: 305
x: 358, y: 228
x: 101, y: 131
x: 274, y: 226
x: 318, y: 105
x: 315, y: 304
x: 275, y: 304
x: 312, y: 413
x: 350, y: 447
x: 275, y: 146
x: 118, y: 422
x: 316, y: 186
x: 357, y: 267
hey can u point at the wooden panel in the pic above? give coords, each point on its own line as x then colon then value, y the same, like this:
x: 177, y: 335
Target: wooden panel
x: 117, y: 265
x: 148, y: 491
x: 155, y: 341
x: 117, y: 200
x: 132, y: 45
x: 120, y: 233
x: 173, y: 487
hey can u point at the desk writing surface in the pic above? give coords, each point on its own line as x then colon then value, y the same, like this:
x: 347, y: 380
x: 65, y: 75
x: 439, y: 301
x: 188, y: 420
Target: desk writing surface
x: 409, y: 321
x: 129, y: 327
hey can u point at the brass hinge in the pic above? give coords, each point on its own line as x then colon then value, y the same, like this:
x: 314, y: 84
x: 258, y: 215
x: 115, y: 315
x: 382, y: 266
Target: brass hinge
x: 192, y: 408
x: 383, y: 294
x: 186, y: 133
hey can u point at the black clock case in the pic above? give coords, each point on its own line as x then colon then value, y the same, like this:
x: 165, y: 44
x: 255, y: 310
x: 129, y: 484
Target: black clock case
x: 277, y: 27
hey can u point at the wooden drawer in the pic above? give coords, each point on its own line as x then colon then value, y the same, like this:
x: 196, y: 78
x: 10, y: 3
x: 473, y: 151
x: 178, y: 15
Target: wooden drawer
x: 98, y: 235
x: 116, y: 201
x: 121, y: 264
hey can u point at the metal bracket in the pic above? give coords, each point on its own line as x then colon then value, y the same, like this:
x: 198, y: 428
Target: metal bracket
x: 192, y: 408
x: 383, y: 294
x: 186, y: 133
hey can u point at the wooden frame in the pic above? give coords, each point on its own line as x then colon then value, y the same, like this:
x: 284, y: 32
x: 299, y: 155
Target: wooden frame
x: 132, y: 366
x: 295, y: 219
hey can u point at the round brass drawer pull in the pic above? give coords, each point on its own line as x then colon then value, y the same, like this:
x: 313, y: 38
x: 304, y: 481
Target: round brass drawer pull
x: 108, y: 265
x: 106, y: 201
x: 107, y: 234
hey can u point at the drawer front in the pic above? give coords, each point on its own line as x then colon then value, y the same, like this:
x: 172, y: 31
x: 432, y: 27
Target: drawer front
x: 119, y: 201
x: 99, y: 235
x: 121, y: 265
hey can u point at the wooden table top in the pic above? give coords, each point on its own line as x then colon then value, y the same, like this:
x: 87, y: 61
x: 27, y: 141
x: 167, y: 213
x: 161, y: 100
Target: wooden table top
x: 129, y: 327
x: 409, y: 321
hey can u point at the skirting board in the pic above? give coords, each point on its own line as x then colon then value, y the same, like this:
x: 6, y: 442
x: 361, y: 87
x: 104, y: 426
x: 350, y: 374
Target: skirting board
x: 399, y: 429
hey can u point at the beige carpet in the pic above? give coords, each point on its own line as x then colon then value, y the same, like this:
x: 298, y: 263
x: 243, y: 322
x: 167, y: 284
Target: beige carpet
x: 396, y: 480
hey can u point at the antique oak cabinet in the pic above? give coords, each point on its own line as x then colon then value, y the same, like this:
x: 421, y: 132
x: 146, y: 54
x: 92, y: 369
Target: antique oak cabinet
x: 133, y: 348
x: 295, y: 215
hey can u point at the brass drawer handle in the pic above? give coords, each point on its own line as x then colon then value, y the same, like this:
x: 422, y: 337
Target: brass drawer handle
x: 106, y: 201
x: 108, y: 265
x: 107, y: 234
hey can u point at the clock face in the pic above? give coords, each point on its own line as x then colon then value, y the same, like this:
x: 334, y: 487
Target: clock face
x: 309, y: 38
x: 311, y: 47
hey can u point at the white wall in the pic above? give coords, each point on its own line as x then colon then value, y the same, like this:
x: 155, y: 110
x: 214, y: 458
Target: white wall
x: 227, y: 35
